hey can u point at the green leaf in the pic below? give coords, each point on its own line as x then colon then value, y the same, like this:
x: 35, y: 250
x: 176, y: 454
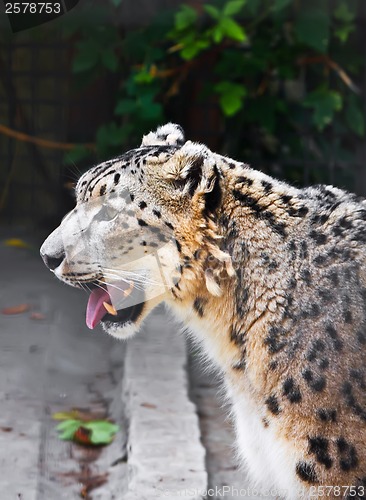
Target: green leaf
x: 345, y: 18
x: 212, y: 11
x: 189, y: 52
x: 312, y: 28
x: 67, y: 435
x: 70, y: 158
x: 85, y: 60
x: 342, y: 13
x: 194, y: 48
x: 231, y: 97
x: 125, y: 106
x: 355, y: 119
x: 230, y: 104
x: 280, y: 4
x: 101, y: 425
x: 67, y: 428
x: 109, y: 59
x: 185, y: 18
x: 344, y: 32
x: 232, y: 29
x: 324, y: 104
x: 70, y: 422
x: 116, y: 3
x: 188, y: 38
x: 102, y: 432
x: 233, y: 7
x: 101, y: 437
x: 144, y: 75
x: 217, y: 34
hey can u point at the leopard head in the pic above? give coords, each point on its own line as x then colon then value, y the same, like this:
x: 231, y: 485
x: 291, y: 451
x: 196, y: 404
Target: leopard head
x: 142, y: 232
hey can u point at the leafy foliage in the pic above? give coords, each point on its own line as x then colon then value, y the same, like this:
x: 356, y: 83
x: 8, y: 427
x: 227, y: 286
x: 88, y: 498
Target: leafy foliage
x: 231, y: 96
x: 325, y: 103
x: 280, y: 71
x: 94, y: 432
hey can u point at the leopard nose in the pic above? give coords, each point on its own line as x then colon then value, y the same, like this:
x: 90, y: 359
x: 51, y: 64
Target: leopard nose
x: 52, y: 261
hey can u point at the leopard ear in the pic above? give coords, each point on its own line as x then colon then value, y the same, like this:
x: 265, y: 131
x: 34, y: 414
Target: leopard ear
x: 169, y: 134
x: 193, y: 168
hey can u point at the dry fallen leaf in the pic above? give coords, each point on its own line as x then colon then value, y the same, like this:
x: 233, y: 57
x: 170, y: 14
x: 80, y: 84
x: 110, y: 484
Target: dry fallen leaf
x: 91, y: 483
x: 82, y: 436
x: 37, y: 316
x: 19, y: 309
x: 66, y: 415
x: 148, y: 405
x: 17, y: 243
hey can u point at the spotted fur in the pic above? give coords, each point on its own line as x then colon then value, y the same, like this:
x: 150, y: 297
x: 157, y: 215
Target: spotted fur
x: 271, y: 280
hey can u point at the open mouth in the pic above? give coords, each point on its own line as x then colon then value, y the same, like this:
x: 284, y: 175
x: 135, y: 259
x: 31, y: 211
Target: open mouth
x: 117, y: 302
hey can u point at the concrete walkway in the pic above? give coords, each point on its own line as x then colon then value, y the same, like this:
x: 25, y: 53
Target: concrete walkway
x: 225, y: 478
x: 165, y: 452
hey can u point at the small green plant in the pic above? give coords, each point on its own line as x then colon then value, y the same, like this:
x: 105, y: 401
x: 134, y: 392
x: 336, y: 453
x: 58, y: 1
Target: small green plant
x: 92, y: 432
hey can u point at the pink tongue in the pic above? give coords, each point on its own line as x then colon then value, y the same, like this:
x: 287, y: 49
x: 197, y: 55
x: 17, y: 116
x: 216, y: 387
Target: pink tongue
x: 95, y: 309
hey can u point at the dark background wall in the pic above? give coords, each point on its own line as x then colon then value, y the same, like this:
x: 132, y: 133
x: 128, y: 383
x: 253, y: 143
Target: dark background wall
x: 39, y: 97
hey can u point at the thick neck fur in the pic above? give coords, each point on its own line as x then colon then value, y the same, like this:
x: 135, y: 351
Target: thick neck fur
x: 252, y: 219
x: 258, y: 322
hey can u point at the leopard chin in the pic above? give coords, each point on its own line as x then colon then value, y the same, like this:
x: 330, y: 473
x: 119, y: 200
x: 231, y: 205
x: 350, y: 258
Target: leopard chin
x: 129, y: 321
x: 120, y: 330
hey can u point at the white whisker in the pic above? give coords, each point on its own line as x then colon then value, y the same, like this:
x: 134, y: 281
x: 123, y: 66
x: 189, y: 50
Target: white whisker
x: 139, y: 281
x: 111, y: 285
x: 83, y: 286
x: 99, y: 286
x: 130, y: 276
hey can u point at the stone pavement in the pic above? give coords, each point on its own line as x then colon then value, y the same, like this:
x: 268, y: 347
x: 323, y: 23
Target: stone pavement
x: 165, y: 451
x: 225, y: 478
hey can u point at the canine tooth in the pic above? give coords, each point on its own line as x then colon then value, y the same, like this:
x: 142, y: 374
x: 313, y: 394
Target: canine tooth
x: 110, y: 308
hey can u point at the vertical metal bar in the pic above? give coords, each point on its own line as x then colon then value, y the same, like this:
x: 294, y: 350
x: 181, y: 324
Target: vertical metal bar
x: 11, y: 117
x: 32, y: 121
